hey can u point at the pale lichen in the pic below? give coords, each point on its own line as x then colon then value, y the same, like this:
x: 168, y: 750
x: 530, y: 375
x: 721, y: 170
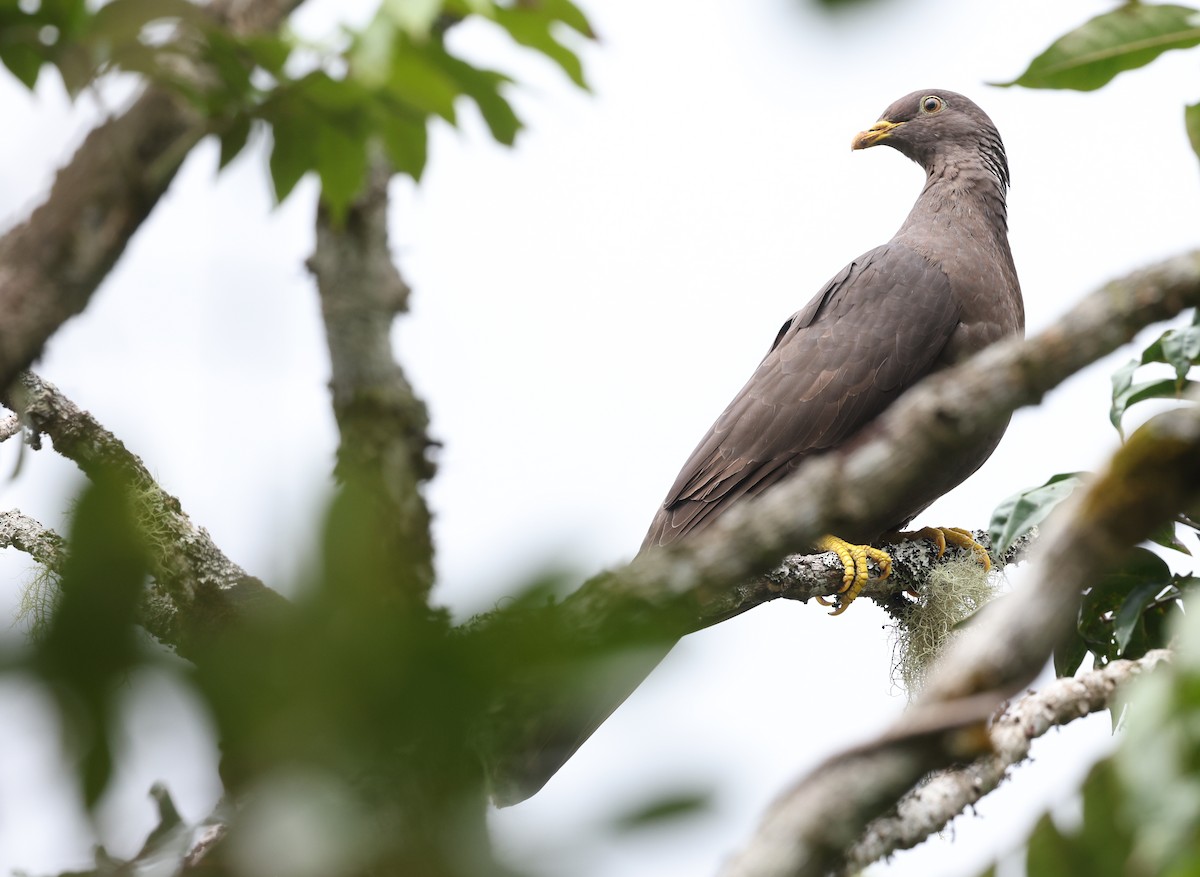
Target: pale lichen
x: 954, y: 591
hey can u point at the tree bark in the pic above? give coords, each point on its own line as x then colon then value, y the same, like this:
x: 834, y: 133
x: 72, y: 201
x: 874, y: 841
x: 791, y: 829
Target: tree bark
x: 383, y: 458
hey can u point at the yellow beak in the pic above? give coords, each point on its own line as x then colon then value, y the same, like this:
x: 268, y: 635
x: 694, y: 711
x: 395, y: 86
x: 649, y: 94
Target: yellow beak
x: 879, y: 131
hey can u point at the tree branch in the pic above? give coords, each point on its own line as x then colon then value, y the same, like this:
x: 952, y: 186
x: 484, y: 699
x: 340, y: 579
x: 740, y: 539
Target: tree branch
x: 697, y: 581
x: 1150, y: 478
x: 23, y: 533
x: 928, y: 808
x: 383, y: 456
x: 198, y: 590
x: 51, y: 263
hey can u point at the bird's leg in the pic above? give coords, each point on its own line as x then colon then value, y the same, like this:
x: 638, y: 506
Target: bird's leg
x: 943, y: 536
x: 855, y: 559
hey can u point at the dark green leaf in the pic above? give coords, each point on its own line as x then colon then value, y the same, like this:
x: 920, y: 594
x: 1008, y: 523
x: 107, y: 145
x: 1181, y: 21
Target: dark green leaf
x: 1069, y: 654
x: 23, y: 59
x: 1130, y: 611
x: 233, y: 139
x: 1166, y: 536
x: 269, y: 51
x: 1130, y: 36
x: 1103, y: 601
x: 1191, y: 122
x: 1049, y: 854
x: 1105, y: 840
x: 293, y: 153
x: 1023, y: 511
x: 405, y: 141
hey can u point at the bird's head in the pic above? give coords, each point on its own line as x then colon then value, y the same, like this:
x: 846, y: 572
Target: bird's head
x: 934, y: 126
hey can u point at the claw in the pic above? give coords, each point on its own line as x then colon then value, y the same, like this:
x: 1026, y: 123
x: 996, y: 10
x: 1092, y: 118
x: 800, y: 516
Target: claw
x: 855, y: 559
x: 943, y: 536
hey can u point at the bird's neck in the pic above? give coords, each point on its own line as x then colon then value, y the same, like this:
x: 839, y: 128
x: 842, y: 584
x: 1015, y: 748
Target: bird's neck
x: 967, y: 196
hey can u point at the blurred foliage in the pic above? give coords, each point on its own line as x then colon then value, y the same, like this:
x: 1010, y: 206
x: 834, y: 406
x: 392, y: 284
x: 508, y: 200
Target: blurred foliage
x: 1127, y: 612
x: 1141, y: 806
x: 1130, y: 36
x: 367, y: 722
x: 352, y: 714
x: 91, y: 640
x: 327, y: 106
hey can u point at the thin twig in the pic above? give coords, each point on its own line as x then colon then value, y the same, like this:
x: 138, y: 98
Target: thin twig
x: 931, y: 806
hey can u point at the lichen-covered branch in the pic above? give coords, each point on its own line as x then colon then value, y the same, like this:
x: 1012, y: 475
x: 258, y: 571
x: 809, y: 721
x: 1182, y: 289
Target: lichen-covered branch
x: 384, y: 452
x: 51, y: 263
x: 197, y: 589
x: 23, y: 533
x: 929, y: 807
x: 1148, y: 481
x: 698, y: 582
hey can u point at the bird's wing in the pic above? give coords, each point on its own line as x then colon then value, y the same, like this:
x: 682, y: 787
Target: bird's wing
x: 869, y: 334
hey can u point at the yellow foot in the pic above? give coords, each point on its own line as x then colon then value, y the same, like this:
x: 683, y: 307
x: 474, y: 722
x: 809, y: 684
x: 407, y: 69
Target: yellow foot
x: 943, y: 536
x: 854, y: 558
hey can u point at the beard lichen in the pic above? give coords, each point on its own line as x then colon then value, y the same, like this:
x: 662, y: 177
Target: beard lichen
x: 925, y: 625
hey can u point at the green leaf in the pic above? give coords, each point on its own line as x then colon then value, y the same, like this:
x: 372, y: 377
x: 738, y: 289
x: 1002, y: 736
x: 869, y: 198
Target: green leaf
x: 23, y: 60
x: 418, y: 82
x: 1181, y: 349
x: 342, y: 166
x: 533, y: 31
x: 483, y: 87
x: 1105, y: 841
x: 569, y: 14
x: 1049, y: 853
x: 1129, y: 396
x: 405, y: 141
x: 414, y: 17
x: 1130, y: 612
x: 233, y: 140
x: 663, y: 809
x: 1069, y: 654
x: 1103, y: 602
x: 1130, y: 36
x: 1166, y: 536
x: 268, y: 51
x: 1191, y: 122
x: 90, y: 642
x: 1024, y: 510
x: 293, y: 153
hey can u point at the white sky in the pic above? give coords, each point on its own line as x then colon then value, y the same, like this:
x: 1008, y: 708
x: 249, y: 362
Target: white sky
x: 584, y: 307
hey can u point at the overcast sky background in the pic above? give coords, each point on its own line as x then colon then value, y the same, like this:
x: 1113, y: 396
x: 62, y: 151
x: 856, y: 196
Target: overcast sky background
x: 584, y: 307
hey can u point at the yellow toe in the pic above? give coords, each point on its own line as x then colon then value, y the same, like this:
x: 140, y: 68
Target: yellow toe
x: 943, y: 536
x: 856, y: 561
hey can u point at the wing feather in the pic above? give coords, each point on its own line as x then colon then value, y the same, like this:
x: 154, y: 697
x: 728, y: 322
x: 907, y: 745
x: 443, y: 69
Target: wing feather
x: 872, y: 331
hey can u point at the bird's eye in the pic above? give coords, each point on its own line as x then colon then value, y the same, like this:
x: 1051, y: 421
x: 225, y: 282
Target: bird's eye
x: 931, y: 103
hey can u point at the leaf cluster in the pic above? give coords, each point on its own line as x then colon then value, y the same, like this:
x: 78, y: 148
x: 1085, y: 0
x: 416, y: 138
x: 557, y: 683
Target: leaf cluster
x: 327, y: 108
x: 1141, y: 806
x: 375, y: 711
x: 1127, y: 612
